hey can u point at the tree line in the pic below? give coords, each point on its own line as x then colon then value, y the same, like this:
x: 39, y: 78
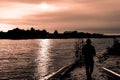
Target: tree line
x: 40, y: 34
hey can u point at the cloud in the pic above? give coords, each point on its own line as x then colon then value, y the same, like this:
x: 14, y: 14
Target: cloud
x: 70, y: 14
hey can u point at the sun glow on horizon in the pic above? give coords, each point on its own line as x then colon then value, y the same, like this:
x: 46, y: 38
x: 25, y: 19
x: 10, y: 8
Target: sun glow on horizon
x: 6, y: 27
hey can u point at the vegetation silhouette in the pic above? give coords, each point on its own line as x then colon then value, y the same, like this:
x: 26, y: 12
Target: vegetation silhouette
x: 41, y: 34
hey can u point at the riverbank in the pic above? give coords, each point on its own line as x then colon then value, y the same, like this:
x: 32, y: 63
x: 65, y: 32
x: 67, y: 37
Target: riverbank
x: 79, y: 72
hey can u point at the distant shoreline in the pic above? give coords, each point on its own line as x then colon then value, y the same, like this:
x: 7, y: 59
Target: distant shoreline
x: 43, y: 34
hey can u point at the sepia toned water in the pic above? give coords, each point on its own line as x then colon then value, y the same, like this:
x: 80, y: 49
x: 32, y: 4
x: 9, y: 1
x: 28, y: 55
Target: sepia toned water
x: 33, y: 59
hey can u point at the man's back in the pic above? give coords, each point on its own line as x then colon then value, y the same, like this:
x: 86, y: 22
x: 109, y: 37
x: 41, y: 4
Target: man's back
x: 88, y: 51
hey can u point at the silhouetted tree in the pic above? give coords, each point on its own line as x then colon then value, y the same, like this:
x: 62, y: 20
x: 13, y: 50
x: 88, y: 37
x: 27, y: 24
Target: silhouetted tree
x: 32, y: 29
x: 32, y: 34
x: 55, y: 32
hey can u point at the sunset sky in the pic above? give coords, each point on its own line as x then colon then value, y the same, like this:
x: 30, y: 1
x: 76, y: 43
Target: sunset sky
x: 101, y: 16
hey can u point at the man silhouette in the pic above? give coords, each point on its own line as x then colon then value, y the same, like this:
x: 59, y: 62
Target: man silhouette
x: 89, y: 52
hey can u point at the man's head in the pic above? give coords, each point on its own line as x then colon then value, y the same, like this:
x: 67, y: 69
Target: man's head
x: 88, y: 41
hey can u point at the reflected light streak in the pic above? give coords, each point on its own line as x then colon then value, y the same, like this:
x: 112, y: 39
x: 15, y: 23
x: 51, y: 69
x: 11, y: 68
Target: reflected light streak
x: 43, y: 57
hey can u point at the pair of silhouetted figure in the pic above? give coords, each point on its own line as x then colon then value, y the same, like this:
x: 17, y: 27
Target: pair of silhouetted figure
x: 89, y: 52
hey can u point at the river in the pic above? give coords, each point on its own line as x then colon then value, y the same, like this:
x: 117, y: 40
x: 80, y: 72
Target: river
x: 33, y: 59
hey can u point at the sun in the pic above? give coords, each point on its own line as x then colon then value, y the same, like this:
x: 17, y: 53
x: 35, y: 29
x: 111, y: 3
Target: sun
x: 44, y: 6
x: 47, y: 7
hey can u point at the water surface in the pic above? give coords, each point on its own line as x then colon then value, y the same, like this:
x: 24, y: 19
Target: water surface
x: 36, y: 58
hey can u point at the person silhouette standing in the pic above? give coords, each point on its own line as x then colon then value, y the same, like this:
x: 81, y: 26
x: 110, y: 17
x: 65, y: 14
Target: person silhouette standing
x: 89, y: 52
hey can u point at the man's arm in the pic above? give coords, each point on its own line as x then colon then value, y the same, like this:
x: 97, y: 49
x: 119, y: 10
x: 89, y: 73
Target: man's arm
x: 94, y: 51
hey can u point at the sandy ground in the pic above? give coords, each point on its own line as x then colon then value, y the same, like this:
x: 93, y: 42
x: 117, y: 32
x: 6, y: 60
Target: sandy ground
x: 79, y: 74
x: 98, y: 74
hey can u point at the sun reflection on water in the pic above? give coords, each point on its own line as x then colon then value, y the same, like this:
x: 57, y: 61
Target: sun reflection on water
x: 43, y: 57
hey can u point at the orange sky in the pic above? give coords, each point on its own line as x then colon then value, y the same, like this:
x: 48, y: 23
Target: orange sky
x: 83, y: 15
